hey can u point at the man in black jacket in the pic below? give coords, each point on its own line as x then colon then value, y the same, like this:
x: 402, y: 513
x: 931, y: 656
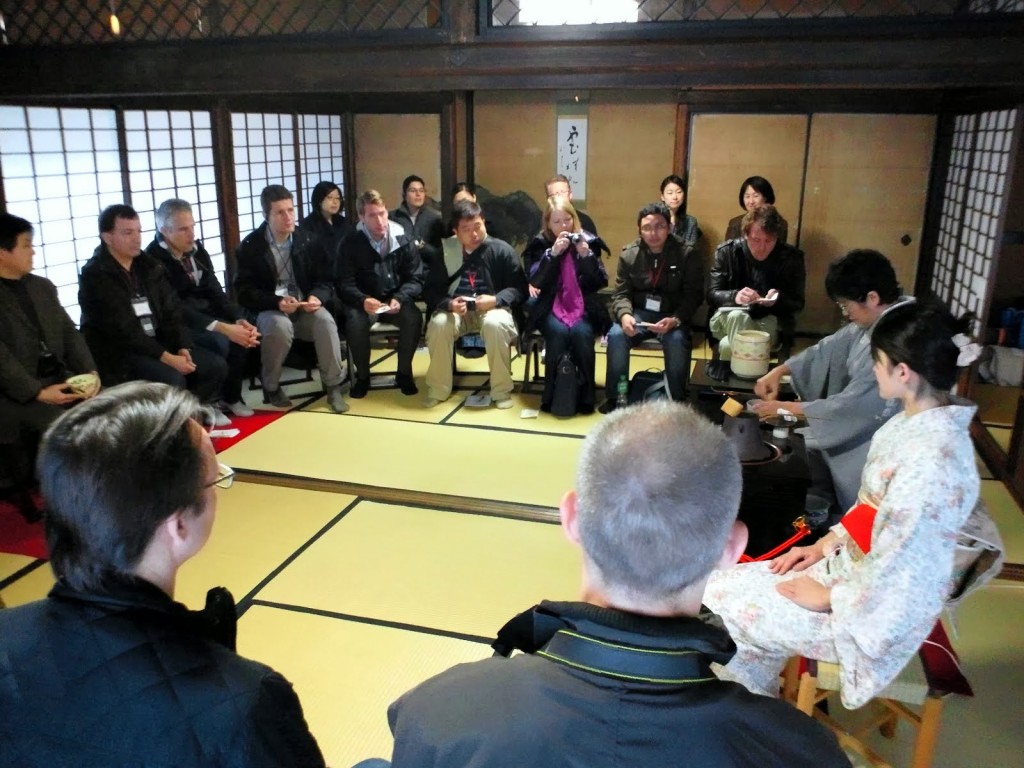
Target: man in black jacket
x: 476, y: 288
x: 624, y: 676
x: 283, y: 276
x: 756, y: 283
x: 422, y: 224
x: 380, y: 276
x: 216, y: 323
x: 658, y: 287
x: 109, y: 669
x: 39, y: 349
x: 131, y: 317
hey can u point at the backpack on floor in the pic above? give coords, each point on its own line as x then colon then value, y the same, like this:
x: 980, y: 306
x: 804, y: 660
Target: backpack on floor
x: 567, y: 387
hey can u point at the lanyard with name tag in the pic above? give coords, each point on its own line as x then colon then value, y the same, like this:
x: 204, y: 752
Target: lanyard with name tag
x: 288, y: 289
x: 140, y: 305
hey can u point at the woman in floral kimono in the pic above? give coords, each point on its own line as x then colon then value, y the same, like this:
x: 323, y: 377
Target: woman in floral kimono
x: 868, y: 594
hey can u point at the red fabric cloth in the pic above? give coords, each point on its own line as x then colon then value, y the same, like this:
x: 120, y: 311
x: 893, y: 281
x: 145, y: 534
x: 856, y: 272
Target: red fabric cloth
x: 19, y: 537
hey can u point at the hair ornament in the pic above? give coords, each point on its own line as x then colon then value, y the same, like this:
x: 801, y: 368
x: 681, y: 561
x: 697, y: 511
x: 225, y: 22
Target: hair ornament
x: 969, y: 350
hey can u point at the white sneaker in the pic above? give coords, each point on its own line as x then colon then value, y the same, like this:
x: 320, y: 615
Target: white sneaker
x: 503, y: 404
x: 238, y: 408
x: 220, y: 420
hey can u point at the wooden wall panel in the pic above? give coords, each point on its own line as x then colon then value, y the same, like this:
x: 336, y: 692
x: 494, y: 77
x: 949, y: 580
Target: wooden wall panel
x: 391, y: 147
x: 726, y: 149
x: 514, y: 141
x: 867, y: 185
x: 631, y: 151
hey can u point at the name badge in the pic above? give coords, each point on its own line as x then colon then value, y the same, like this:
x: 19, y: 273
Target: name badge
x: 653, y: 303
x: 140, y: 304
x: 281, y: 290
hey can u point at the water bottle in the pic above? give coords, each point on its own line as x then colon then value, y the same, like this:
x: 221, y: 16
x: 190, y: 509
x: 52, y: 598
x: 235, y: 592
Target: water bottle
x: 622, y: 400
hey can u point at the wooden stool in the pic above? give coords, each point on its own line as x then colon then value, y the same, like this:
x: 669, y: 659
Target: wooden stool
x: 932, y: 674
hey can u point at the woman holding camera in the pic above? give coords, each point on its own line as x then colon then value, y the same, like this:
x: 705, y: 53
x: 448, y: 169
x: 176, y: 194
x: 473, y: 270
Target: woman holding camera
x: 563, y: 265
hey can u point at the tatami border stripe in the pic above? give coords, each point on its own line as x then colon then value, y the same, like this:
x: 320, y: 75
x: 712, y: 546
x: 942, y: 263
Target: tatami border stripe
x: 243, y: 605
x: 23, y: 571
x: 443, y: 502
x: 375, y: 622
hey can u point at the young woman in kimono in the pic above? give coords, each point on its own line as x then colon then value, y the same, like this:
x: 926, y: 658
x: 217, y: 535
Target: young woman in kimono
x: 868, y: 594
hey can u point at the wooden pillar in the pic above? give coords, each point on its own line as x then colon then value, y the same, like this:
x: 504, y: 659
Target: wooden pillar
x: 224, y: 171
x: 682, y: 148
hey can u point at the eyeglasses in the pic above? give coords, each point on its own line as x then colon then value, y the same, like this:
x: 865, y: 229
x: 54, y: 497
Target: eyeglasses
x: 844, y: 305
x: 653, y: 228
x: 225, y: 477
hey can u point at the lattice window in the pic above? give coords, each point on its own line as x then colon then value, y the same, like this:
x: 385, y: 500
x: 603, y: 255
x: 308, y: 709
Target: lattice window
x: 43, y: 22
x: 264, y: 154
x: 505, y: 13
x: 972, y: 203
x: 60, y: 168
x: 170, y: 154
x: 320, y: 153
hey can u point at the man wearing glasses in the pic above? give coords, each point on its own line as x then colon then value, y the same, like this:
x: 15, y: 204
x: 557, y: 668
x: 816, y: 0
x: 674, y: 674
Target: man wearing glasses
x: 109, y: 669
x: 834, y: 378
x: 658, y: 287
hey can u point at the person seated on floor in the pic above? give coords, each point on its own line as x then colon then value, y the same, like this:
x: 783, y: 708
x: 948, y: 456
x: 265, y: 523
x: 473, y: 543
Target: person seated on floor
x: 132, y: 317
x: 756, y: 283
x: 108, y: 669
x: 559, y: 186
x: 673, y: 195
x: 283, y: 276
x: 422, y: 224
x: 326, y: 222
x: 380, y: 277
x: 834, y: 379
x: 754, y: 191
x: 216, y: 323
x: 474, y: 290
x: 567, y: 273
x: 40, y: 348
x: 658, y: 287
x: 623, y: 676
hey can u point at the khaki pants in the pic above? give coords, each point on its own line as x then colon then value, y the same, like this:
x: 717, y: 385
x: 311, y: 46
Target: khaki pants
x: 498, y: 330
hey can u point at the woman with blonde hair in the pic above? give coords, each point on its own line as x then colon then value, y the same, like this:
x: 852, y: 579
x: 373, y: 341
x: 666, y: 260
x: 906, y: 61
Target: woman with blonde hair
x: 563, y: 265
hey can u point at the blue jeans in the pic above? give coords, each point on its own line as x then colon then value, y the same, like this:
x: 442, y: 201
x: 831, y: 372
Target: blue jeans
x: 676, y: 345
x: 578, y: 341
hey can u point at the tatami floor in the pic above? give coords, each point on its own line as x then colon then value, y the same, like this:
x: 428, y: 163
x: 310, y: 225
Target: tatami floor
x: 371, y: 550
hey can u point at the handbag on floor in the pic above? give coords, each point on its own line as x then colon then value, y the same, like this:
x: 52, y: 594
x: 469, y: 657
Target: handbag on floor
x: 648, y: 385
x: 566, y: 391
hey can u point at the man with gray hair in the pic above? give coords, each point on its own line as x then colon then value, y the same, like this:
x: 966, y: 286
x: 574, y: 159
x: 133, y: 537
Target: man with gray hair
x: 109, y: 669
x: 624, y: 676
x: 216, y: 322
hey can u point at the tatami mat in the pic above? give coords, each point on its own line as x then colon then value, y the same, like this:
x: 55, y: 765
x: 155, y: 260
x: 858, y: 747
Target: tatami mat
x: 32, y: 586
x: 449, y: 571
x: 346, y: 673
x: 1007, y: 516
x: 11, y: 564
x: 258, y: 528
x: 453, y: 460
